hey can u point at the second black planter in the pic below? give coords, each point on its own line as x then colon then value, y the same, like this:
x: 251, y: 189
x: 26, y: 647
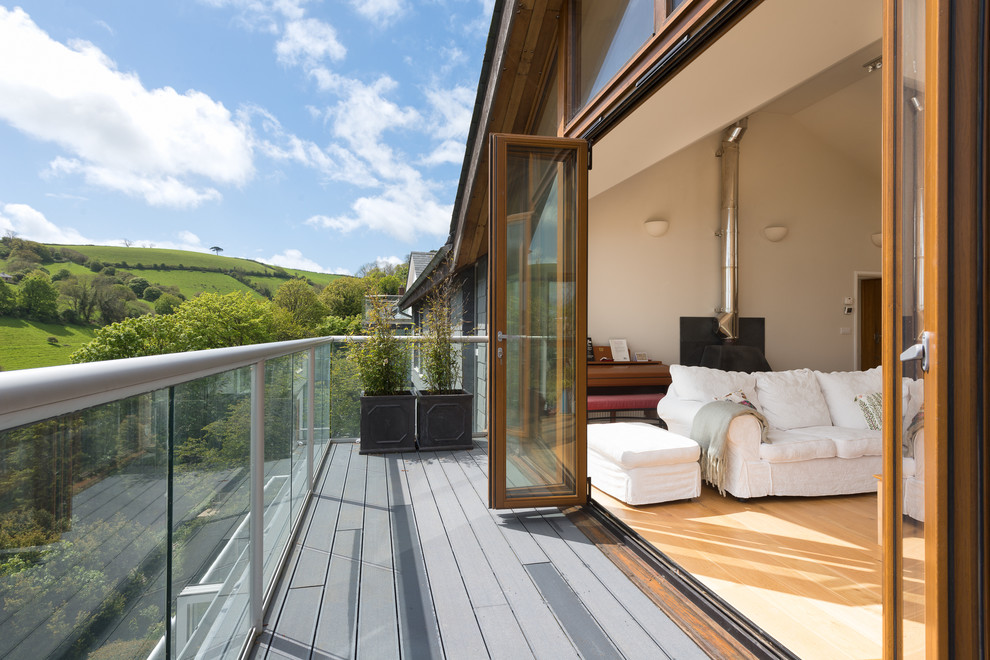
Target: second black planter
x: 444, y: 420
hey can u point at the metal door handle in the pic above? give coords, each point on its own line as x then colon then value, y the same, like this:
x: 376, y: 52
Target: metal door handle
x: 918, y: 351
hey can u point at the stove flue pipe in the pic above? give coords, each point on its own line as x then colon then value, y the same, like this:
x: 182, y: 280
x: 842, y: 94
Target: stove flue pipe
x: 728, y: 314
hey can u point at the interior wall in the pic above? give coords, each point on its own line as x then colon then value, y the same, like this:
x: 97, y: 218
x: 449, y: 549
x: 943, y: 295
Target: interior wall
x: 639, y: 286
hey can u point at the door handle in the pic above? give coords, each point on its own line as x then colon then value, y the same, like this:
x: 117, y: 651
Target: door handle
x: 919, y: 351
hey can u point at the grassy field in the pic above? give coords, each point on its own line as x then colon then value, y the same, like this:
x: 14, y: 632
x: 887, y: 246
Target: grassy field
x: 148, y: 256
x: 24, y: 344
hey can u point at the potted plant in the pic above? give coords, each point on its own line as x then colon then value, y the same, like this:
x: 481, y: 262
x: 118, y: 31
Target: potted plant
x: 388, y: 409
x: 443, y: 410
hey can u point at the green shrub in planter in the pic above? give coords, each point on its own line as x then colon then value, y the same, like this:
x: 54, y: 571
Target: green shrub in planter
x: 388, y: 410
x: 443, y: 410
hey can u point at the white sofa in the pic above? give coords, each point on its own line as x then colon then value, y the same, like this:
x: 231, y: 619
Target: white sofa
x: 818, y: 440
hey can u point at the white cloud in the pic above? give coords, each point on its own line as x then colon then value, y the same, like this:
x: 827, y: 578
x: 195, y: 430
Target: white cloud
x: 32, y: 224
x: 155, y: 144
x: 449, y: 151
x: 404, y: 210
x: 452, y: 110
x: 308, y: 41
x: 379, y: 11
x: 188, y: 238
x: 294, y: 259
x: 381, y: 262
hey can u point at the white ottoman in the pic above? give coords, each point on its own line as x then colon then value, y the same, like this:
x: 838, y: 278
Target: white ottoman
x: 642, y: 464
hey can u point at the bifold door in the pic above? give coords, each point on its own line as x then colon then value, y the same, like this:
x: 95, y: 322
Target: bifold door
x: 538, y: 299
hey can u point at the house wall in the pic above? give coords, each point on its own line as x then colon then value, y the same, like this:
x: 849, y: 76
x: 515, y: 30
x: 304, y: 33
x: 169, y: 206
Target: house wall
x: 640, y: 286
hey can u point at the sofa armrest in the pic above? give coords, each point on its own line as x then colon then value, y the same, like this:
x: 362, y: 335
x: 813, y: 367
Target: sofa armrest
x: 678, y: 414
x: 744, y: 437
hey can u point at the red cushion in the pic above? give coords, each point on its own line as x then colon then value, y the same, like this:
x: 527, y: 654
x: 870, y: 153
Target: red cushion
x: 624, y: 401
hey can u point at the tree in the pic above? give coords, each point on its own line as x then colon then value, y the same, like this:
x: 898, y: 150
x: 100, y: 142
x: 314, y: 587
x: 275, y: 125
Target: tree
x: 166, y: 303
x: 111, y: 299
x: 300, y: 299
x: 39, y: 297
x: 8, y: 299
x: 138, y: 285
x: 344, y: 296
x: 78, y: 292
x: 217, y: 250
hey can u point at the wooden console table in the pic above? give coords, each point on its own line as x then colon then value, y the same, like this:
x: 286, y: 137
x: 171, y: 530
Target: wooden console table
x: 641, y: 375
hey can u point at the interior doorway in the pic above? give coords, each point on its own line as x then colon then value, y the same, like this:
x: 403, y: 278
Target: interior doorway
x: 870, y: 323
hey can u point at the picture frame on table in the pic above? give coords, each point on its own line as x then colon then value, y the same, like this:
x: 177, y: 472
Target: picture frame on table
x: 641, y: 356
x: 620, y: 350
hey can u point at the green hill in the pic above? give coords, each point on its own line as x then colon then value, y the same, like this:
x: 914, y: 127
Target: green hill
x: 24, y: 344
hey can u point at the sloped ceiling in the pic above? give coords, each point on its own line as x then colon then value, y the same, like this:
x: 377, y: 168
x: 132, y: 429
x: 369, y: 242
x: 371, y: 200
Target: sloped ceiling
x: 800, y: 57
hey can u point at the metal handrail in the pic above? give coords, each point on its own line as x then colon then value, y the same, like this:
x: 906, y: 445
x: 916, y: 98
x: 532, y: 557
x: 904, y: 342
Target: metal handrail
x: 32, y: 395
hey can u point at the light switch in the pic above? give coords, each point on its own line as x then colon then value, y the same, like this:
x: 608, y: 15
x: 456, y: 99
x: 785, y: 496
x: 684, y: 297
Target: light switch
x: 845, y: 331
x: 848, y: 300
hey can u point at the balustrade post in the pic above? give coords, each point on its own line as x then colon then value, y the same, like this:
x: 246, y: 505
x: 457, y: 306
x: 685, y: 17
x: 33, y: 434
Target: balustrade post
x: 311, y: 417
x: 256, y: 591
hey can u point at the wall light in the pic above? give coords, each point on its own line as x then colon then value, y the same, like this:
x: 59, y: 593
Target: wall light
x: 774, y: 233
x: 656, y: 227
x: 877, y: 239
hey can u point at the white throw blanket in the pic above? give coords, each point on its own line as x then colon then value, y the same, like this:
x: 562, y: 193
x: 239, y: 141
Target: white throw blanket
x: 709, y: 429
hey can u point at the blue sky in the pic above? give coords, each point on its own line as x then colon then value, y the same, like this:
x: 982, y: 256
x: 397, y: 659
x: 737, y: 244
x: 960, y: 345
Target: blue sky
x: 316, y: 134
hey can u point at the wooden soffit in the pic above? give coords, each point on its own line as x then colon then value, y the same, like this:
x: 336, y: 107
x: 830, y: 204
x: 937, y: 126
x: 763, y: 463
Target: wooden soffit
x: 518, y: 53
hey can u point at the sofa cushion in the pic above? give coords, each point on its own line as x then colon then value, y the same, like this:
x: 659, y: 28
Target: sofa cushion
x: 635, y: 444
x: 853, y: 443
x: 797, y: 445
x: 792, y: 399
x: 704, y: 384
x: 840, y: 389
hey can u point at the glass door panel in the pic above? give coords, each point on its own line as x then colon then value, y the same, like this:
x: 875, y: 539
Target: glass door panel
x: 538, y: 257
x: 904, y: 255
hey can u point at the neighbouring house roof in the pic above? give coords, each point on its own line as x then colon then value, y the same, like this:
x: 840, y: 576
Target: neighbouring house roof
x: 418, y: 288
x: 417, y: 262
x: 7, y: 277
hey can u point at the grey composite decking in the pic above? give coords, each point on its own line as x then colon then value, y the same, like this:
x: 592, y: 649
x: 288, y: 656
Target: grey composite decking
x: 399, y: 557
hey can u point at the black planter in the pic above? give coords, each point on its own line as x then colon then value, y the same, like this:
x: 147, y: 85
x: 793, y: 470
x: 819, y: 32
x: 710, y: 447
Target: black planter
x: 444, y: 420
x: 388, y: 423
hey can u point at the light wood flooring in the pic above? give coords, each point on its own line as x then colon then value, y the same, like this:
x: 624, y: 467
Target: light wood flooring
x: 806, y: 570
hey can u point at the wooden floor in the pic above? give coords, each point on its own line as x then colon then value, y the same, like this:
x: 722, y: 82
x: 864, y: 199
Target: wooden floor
x: 806, y: 570
x: 399, y: 557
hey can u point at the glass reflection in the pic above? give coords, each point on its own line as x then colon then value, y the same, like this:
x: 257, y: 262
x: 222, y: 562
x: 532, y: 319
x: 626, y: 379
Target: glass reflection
x: 540, y: 319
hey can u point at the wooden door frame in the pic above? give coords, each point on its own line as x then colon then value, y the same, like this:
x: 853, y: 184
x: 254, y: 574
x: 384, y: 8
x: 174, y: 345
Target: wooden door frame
x: 498, y: 145
x: 957, y: 390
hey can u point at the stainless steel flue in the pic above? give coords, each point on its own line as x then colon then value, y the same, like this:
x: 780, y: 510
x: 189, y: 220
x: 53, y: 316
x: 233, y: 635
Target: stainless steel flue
x: 728, y: 313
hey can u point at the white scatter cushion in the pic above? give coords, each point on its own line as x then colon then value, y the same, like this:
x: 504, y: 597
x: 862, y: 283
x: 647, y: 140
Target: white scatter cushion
x: 797, y: 446
x: 840, y: 389
x: 792, y: 399
x: 704, y: 384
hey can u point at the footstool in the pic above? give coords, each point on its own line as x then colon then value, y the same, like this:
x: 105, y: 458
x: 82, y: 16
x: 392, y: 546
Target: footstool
x: 639, y: 463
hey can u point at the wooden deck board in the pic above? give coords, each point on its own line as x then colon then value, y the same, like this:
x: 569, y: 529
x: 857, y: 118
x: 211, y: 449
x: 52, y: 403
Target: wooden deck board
x: 399, y: 556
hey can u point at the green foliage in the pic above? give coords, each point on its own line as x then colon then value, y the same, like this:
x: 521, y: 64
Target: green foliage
x: 345, y: 399
x: 208, y: 321
x: 38, y: 297
x: 337, y: 326
x: 138, y: 285
x: 300, y: 299
x: 152, y: 293
x: 439, y: 356
x: 166, y: 303
x: 382, y: 360
x: 8, y: 299
x: 344, y: 296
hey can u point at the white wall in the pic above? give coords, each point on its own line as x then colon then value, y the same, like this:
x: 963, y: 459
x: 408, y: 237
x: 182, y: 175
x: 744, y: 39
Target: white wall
x: 640, y: 286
